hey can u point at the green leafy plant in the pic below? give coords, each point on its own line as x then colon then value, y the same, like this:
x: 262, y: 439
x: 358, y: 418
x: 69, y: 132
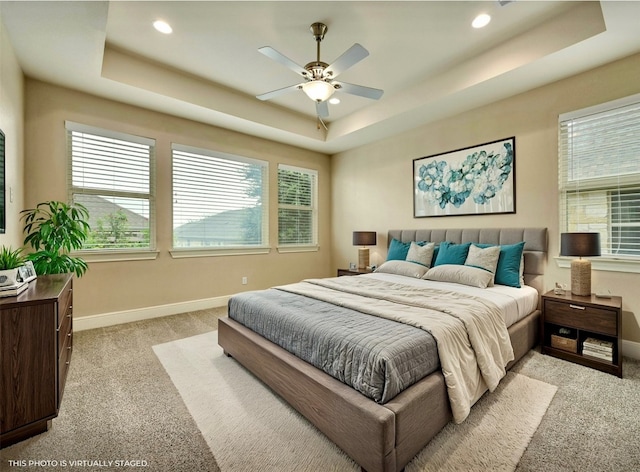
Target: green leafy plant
x: 10, y: 258
x: 54, y: 229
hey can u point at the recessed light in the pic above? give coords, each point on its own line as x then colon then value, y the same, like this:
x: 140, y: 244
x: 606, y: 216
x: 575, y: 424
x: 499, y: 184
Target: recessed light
x: 481, y: 20
x: 162, y: 26
x: 334, y: 101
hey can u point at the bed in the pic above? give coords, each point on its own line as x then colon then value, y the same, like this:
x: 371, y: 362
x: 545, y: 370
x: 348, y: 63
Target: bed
x: 384, y: 436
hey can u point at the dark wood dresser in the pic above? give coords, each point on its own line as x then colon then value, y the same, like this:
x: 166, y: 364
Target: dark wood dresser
x: 36, y: 340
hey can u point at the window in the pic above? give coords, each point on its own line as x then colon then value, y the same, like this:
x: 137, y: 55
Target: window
x: 219, y: 201
x: 111, y: 174
x: 599, y: 159
x: 297, y: 214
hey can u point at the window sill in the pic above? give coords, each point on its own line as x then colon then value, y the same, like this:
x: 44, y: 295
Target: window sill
x: 604, y: 264
x: 288, y: 249
x: 117, y: 256
x: 181, y: 253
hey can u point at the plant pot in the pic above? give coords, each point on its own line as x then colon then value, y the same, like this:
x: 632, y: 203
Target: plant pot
x: 8, y: 277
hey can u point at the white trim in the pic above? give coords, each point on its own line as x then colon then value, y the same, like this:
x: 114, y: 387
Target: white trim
x: 294, y: 248
x: 604, y: 264
x: 107, y: 133
x: 630, y: 349
x: 119, y: 317
x: 601, y: 107
x: 116, y: 256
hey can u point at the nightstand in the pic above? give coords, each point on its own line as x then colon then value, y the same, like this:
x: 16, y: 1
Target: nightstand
x: 342, y: 272
x: 570, y: 320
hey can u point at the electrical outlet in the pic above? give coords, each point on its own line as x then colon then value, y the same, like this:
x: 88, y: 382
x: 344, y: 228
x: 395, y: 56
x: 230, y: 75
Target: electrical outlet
x: 244, y: 281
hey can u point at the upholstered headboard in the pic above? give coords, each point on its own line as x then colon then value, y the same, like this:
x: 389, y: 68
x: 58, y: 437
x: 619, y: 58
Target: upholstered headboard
x: 535, y: 247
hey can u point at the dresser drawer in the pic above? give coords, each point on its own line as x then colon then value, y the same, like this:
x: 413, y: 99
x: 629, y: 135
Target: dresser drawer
x: 65, y: 304
x: 65, y: 330
x: 64, y: 360
x: 577, y: 315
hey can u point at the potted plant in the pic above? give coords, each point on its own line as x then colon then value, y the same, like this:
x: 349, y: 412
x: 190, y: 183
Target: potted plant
x: 10, y: 260
x: 53, y: 230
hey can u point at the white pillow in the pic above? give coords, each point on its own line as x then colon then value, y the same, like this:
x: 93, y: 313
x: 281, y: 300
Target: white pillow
x: 406, y: 268
x: 460, y: 274
x: 421, y: 254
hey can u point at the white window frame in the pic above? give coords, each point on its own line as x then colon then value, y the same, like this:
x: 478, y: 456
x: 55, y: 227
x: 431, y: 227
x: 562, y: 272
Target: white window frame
x: 116, y: 254
x: 224, y: 250
x: 313, y: 246
x: 607, y: 262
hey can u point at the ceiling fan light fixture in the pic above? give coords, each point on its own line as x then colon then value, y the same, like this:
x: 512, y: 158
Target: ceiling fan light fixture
x: 318, y: 90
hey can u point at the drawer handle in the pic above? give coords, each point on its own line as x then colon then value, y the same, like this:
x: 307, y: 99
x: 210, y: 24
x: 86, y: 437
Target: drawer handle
x: 69, y: 334
x: 69, y: 316
x: 577, y: 307
x: 68, y: 362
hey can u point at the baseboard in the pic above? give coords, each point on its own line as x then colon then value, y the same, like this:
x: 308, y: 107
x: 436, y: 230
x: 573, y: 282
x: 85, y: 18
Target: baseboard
x: 119, y: 317
x: 631, y: 349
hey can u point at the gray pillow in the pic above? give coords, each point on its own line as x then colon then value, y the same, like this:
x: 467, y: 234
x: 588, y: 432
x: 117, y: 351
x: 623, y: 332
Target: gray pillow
x: 460, y: 274
x: 406, y: 268
x: 484, y: 258
x: 421, y: 254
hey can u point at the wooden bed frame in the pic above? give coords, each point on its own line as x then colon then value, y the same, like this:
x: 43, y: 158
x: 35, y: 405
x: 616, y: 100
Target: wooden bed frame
x: 380, y: 437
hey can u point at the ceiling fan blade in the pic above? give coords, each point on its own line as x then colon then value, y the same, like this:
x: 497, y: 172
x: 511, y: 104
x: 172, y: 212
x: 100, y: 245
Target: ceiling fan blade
x: 278, y: 92
x: 361, y: 91
x: 351, y: 56
x: 322, y: 109
x: 282, y: 59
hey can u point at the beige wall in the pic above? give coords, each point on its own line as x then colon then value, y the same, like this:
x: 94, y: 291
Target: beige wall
x: 110, y: 287
x: 372, y: 185
x: 12, y: 124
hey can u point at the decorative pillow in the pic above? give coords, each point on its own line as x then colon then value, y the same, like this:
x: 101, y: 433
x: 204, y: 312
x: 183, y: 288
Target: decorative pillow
x: 451, y: 253
x: 398, y: 250
x: 510, y: 264
x: 484, y: 258
x: 421, y: 254
x: 460, y: 274
x: 408, y: 269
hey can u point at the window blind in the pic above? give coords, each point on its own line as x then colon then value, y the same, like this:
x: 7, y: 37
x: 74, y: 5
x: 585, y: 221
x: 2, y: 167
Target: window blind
x: 297, y: 215
x: 599, y: 173
x: 218, y: 199
x: 111, y: 174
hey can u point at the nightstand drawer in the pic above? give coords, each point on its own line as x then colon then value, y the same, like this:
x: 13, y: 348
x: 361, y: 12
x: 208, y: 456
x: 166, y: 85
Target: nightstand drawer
x: 577, y: 315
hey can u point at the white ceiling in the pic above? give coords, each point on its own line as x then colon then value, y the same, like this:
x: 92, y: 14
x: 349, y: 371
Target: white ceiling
x: 423, y: 54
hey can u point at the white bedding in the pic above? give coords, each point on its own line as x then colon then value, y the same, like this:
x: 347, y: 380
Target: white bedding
x: 514, y: 303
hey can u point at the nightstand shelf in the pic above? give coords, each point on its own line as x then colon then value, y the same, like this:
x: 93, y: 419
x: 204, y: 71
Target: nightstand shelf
x: 342, y: 272
x: 583, y: 317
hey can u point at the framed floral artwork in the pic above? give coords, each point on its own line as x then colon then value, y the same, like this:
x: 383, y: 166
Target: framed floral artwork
x: 476, y: 180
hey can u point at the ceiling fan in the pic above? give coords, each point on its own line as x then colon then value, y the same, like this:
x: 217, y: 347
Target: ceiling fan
x: 319, y: 77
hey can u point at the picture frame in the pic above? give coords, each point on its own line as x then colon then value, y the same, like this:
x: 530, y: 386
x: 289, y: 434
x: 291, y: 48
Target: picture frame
x: 27, y: 272
x: 476, y: 180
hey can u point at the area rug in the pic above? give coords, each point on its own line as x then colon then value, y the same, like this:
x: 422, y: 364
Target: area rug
x: 249, y: 428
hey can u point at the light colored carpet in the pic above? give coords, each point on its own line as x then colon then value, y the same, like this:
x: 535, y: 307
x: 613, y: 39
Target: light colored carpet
x: 250, y: 428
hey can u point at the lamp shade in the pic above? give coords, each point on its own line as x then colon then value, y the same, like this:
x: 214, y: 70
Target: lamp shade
x: 318, y: 90
x: 580, y: 244
x: 364, y: 238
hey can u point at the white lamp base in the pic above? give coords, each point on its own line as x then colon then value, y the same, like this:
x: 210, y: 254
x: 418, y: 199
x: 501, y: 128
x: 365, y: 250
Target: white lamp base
x: 363, y: 257
x: 581, y: 277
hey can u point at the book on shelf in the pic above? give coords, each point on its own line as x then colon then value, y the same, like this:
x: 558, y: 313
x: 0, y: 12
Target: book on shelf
x: 598, y: 345
x: 596, y: 354
x: 13, y: 290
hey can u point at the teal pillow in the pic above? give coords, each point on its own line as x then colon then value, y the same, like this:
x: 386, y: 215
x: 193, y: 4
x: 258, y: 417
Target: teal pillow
x: 398, y: 250
x: 451, y: 253
x: 508, y: 270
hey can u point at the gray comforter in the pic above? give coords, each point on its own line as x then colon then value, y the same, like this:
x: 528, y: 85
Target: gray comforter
x: 376, y: 356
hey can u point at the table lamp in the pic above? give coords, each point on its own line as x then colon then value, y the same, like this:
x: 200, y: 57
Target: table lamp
x: 364, y: 238
x: 581, y: 245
